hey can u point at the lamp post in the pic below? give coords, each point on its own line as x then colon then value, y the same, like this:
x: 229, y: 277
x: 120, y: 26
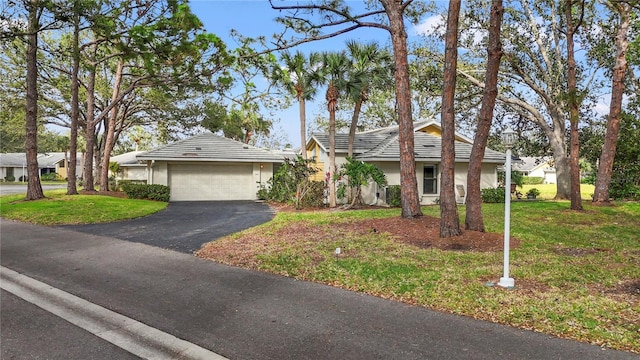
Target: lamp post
x: 508, y: 139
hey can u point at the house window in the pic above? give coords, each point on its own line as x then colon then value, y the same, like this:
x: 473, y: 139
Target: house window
x: 430, y: 182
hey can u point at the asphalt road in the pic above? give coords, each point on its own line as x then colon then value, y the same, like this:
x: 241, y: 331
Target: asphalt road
x: 28, y: 332
x: 243, y: 314
x: 185, y: 226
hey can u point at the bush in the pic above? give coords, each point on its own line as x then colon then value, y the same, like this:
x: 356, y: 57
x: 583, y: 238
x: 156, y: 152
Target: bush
x: 393, y: 196
x: 50, y: 177
x: 144, y: 191
x: 533, y: 192
x: 624, y: 190
x: 314, y: 196
x: 24, y: 178
x: 532, y: 180
x: 10, y: 178
x: 291, y: 184
x: 121, y: 183
x: 492, y: 195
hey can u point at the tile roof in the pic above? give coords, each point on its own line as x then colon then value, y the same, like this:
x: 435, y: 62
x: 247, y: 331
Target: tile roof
x: 527, y: 163
x: 45, y: 160
x: 210, y: 147
x: 426, y: 148
x: 127, y: 158
x: 384, y: 146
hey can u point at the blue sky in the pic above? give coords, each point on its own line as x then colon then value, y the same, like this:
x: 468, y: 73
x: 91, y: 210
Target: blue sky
x: 256, y: 18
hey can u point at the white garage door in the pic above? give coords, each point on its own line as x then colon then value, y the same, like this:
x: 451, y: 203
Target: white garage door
x: 211, y: 182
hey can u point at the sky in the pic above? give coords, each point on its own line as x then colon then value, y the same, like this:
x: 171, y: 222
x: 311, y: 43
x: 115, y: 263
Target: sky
x: 256, y: 18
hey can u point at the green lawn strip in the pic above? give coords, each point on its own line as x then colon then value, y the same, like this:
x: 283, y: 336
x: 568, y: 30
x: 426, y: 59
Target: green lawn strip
x: 58, y: 208
x: 569, y: 269
x: 548, y: 191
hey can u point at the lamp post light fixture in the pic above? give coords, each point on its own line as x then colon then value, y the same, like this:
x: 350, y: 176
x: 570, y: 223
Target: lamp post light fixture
x: 508, y: 139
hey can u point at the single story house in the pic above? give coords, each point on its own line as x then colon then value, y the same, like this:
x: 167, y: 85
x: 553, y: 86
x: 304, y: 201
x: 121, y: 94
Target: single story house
x: 537, y: 167
x: 381, y: 147
x: 211, y: 167
x: 130, y: 167
x: 14, y: 165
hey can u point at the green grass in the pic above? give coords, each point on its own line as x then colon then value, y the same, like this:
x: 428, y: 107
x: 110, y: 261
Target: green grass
x: 548, y: 191
x: 58, y: 208
x: 576, y: 273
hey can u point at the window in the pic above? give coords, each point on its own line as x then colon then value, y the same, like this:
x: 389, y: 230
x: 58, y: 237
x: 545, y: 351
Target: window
x: 430, y: 182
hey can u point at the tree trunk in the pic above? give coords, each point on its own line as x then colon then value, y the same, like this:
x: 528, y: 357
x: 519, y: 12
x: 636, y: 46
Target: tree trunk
x: 474, y: 220
x: 354, y: 124
x: 332, y: 158
x: 449, y: 221
x: 72, y: 188
x: 576, y: 198
x: 111, y: 129
x: 605, y: 166
x: 34, y: 187
x: 410, y: 199
x: 332, y: 100
x: 90, y: 132
x: 303, y: 127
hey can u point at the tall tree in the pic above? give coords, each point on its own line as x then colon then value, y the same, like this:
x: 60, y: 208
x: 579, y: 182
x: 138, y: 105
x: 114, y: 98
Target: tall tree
x: 72, y: 188
x: 336, y: 15
x: 335, y: 67
x: 534, y: 76
x: 297, y: 78
x: 573, y: 100
x: 371, y: 66
x: 34, y: 187
x: 449, y: 221
x: 603, y: 179
x: 474, y: 219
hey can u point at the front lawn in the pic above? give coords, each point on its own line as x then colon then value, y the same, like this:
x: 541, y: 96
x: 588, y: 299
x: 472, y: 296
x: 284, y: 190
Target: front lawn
x: 577, y: 274
x: 59, y: 209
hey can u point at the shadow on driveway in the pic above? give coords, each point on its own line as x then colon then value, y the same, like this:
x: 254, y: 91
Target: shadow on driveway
x: 184, y: 226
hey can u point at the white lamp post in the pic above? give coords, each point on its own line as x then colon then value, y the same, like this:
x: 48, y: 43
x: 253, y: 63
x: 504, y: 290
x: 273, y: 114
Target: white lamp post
x: 508, y: 138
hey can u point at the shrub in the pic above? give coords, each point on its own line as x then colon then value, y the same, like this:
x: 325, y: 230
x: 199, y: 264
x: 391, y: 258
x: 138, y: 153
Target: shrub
x: 10, y: 178
x: 24, y: 178
x: 145, y: 191
x: 50, y: 177
x: 121, y: 183
x: 492, y: 195
x: 315, y: 195
x: 533, y: 192
x: 358, y: 174
x: 394, y: 196
x: 291, y: 183
x: 532, y: 180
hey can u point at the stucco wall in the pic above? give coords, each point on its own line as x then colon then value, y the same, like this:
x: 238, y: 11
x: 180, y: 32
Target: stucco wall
x: 262, y: 172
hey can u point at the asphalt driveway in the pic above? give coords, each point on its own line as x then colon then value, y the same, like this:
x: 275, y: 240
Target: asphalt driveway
x: 184, y: 226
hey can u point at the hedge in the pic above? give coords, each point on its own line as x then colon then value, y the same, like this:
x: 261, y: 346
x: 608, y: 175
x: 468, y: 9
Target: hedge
x: 147, y: 191
x: 532, y: 180
x: 492, y: 195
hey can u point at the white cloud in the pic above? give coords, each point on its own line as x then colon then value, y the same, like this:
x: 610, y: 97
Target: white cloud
x: 429, y: 26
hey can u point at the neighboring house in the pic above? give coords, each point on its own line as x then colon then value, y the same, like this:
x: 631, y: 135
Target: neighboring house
x: 130, y: 167
x: 537, y: 167
x: 381, y: 147
x: 14, y: 165
x: 211, y: 167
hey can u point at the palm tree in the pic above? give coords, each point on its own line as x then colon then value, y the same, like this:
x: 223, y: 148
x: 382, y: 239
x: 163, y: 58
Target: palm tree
x: 371, y: 66
x: 335, y: 66
x: 298, y: 78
